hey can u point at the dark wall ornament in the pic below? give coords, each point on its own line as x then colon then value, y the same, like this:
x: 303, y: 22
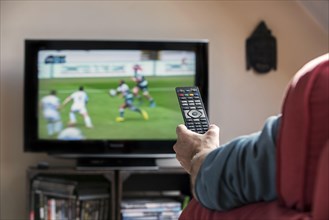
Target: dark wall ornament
x: 261, y: 50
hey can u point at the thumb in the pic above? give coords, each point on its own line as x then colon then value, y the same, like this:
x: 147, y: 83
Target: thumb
x: 181, y: 131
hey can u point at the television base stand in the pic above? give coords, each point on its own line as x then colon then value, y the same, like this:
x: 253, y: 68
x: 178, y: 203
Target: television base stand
x: 116, y: 163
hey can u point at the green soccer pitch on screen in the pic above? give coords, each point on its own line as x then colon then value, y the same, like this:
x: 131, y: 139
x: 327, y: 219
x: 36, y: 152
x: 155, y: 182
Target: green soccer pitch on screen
x: 111, y: 94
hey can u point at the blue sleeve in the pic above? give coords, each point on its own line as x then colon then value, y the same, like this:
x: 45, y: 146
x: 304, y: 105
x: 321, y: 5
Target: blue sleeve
x: 241, y: 171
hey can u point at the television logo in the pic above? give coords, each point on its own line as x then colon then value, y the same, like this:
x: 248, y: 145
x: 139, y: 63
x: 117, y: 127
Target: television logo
x: 55, y: 59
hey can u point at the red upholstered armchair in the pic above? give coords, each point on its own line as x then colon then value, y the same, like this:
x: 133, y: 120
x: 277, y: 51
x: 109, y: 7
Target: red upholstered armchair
x: 302, y: 155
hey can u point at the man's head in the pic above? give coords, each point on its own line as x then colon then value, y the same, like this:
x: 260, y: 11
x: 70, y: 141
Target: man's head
x: 121, y: 82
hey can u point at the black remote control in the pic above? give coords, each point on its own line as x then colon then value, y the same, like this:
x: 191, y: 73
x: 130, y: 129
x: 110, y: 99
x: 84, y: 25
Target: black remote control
x: 194, y: 113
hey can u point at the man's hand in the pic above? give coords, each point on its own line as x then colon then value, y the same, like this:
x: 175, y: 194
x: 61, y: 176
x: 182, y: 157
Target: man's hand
x: 191, y: 148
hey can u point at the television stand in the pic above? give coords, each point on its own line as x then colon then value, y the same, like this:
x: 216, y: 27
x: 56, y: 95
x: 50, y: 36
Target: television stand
x: 116, y: 163
x: 170, y: 183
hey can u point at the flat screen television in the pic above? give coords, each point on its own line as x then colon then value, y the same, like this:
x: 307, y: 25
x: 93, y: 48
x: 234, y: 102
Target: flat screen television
x: 108, y: 98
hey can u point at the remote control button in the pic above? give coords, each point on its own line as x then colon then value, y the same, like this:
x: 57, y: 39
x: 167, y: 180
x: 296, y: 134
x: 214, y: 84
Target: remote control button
x: 194, y: 114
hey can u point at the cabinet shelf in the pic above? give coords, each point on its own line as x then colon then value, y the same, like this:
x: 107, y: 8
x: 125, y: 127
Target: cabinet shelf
x: 171, y: 183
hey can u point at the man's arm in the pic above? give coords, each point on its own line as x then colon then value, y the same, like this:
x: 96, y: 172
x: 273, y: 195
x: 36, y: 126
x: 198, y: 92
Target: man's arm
x: 67, y: 100
x: 239, y: 172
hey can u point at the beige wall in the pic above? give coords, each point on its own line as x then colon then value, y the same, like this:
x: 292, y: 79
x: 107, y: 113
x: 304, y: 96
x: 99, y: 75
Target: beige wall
x: 239, y: 100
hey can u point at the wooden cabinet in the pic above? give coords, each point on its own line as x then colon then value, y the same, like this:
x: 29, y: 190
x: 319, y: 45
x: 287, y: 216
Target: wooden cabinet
x: 173, y: 183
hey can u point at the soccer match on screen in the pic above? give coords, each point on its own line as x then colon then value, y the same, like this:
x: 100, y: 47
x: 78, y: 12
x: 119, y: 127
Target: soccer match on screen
x: 111, y: 94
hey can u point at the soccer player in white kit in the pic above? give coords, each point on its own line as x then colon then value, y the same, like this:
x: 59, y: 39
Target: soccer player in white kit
x: 50, y: 105
x: 80, y: 99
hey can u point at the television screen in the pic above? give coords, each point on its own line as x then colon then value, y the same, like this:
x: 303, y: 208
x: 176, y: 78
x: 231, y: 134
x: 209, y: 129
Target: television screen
x: 114, y: 97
